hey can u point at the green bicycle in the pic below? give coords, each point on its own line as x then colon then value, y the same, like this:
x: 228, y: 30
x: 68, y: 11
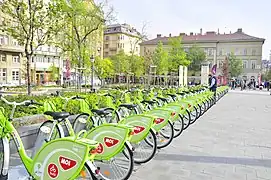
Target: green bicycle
x: 67, y: 158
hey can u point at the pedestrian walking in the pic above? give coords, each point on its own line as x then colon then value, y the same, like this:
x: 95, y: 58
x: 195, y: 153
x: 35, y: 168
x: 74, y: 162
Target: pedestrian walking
x: 213, y: 85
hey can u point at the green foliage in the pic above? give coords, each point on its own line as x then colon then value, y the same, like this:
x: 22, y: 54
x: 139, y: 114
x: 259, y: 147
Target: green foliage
x: 196, y: 56
x: 82, y: 23
x: 32, y: 23
x: 104, y: 67
x: 177, y: 55
x: 136, y: 65
x: 121, y: 62
x: 54, y: 73
x: 267, y: 75
x: 235, y: 65
x: 160, y: 59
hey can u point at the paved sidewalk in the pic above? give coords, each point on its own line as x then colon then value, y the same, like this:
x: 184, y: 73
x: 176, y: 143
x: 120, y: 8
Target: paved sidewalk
x: 230, y: 142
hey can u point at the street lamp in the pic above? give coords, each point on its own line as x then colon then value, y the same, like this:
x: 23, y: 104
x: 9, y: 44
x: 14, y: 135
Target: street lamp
x: 92, y: 59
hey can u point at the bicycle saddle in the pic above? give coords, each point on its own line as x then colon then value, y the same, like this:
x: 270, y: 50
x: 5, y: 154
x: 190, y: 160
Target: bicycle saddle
x: 128, y: 106
x: 148, y: 102
x: 57, y: 115
x: 101, y: 112
x: 163, y: 99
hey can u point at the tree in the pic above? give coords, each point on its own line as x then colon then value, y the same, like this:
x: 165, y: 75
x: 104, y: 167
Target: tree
x: 137, y: 65
x: 104, y: 68
x: 177, y: 55
x: 54, y: 74
x: 121, y: 63
x: 196, y: 56
x: 160, y: 59
x: 82, y: 23
x: 235, y: 65
x: 32, y: 23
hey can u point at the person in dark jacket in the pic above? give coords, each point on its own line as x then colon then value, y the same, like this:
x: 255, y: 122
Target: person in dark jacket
x: 213, y: 85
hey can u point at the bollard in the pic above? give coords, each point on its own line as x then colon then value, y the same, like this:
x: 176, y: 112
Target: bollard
x: 79, y: 125
x: 44, y: 133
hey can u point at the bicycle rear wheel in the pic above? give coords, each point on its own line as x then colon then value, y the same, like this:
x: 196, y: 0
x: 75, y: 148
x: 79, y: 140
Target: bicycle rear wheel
x: 165, y: 136
x: 148, y: 145
x: 178, y: 127
x: 120, y: 167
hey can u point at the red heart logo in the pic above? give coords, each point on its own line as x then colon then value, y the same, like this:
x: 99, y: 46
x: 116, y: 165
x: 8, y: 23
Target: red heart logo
x: 138, y: 129
x: 110, y: 142
x: 159, y: 120
x: 100, y: 149
x: 66, y: 163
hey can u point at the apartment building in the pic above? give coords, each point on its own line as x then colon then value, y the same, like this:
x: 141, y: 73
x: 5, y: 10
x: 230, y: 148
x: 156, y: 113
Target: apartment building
x: 217, y: 46
x: 41, y: 64
x: 11, y: 64
x: 121, y: 37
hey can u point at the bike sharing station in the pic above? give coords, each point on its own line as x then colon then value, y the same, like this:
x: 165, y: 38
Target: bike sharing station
x: 132, y: 123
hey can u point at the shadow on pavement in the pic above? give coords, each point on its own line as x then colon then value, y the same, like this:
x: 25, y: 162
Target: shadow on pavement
x: 215, y: 159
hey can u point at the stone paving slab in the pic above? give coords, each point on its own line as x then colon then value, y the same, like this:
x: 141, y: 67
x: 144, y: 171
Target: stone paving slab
x: 230, y: 142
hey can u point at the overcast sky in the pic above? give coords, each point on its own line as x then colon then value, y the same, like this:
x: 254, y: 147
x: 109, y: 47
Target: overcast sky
x: 176, y: 16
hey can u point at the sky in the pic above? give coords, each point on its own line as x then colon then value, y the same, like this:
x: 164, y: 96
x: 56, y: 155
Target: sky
x: 177, y: 16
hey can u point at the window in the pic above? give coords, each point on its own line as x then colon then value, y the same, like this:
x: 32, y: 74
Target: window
x: 106, y: 46
x: 210, y: 52
x: 16, y: 59
x: 106, y: 53
x: 3, y: 58
x: 253, y: 52
x: 253, y: 64
x: 220, y: 52
x: 220, y: 64
x: 136, y: 48
x: 6, y: 41
x: 245, y: 51
x: 2, y: 40
x: 245, y: 64
x: 33, y: 59
x: 49, y: 49
x: 107, y: 38
x: 236, y: 51
x: 3, y: 74
x: 15, y: 43
x: 15, y: 75
x: 118, y: 45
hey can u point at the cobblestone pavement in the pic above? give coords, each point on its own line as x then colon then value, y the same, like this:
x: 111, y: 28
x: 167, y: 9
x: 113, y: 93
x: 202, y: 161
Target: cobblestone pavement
x: 230, y: 142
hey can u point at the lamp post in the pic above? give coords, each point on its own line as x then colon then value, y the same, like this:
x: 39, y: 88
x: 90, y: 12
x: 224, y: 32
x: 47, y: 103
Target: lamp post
x: 92, y: 59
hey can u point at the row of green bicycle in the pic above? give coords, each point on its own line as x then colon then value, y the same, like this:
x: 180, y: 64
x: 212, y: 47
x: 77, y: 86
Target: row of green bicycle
x: 104, y: 142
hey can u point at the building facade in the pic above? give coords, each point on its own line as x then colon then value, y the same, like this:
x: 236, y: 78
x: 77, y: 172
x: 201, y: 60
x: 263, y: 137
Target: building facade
x: 119, y: 37
x: 11, y: 62
x: 217, y: 46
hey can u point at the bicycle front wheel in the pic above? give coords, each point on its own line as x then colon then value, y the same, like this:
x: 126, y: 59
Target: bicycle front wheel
x: 86, y: 173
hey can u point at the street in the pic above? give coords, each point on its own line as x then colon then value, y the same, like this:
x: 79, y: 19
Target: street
x: 231, y: 142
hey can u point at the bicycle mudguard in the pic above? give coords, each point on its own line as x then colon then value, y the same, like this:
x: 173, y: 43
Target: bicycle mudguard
x: 142, y: 125
x: 162, y: 116
x: 176, y: 110
x: 62, y: 158
x: 111, y: 140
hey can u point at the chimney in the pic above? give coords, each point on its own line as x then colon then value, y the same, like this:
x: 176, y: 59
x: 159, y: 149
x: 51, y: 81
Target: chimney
x: 200, y: 31
x: 170, y: 35
x: 210, y: 32
x: 218, y: 31
x: 191, y: 33
x: 239, y: 30
x: 159, y: 35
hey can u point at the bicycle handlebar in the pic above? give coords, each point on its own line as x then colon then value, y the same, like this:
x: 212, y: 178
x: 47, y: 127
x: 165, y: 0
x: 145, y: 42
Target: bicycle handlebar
x: 15, y: 104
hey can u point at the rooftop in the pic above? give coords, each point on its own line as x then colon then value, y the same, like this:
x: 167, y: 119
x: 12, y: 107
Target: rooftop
x: 121, y: 28
x: 210, y: 36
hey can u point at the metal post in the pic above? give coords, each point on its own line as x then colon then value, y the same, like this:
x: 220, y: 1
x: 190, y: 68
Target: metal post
x: 92, y: 77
